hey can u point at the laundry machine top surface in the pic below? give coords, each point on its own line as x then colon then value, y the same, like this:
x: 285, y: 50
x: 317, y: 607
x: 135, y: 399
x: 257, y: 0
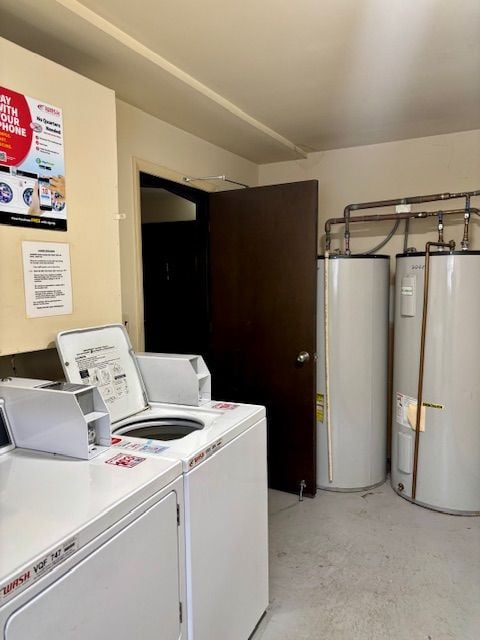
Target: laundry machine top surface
x: 104, y: 356
x: 223, y: 421
x: 48, y: 500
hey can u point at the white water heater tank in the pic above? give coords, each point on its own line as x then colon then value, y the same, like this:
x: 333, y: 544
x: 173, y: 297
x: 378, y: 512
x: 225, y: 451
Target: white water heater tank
x: 352, y: 457
x: 448, y: 471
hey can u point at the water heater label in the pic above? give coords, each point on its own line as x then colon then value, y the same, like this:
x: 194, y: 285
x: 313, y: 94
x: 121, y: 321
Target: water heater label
x: 434, y: 405
x: 406, y: 412
x: 320, y: 407
x: 407, y: 296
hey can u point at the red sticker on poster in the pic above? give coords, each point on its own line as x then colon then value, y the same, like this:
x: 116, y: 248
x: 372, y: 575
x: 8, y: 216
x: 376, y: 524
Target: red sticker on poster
x: 122, y: 460
x: 15, y: 127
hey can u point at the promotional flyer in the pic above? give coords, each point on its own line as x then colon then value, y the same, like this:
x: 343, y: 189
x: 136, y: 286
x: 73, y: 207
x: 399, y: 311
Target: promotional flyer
x: 32, y: 165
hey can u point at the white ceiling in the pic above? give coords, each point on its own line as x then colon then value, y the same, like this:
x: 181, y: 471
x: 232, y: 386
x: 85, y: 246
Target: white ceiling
x: 272, y: 79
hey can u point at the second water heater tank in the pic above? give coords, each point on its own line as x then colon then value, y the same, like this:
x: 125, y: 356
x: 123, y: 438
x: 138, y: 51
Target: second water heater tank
x: 448, y: 469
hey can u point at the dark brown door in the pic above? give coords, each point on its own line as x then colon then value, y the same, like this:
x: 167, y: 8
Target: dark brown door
x: 263, y: 247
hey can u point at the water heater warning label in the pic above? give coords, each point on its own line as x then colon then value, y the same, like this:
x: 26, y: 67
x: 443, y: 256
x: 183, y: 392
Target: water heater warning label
x: 320, y: 404
x: 434, y: 405
x: 407, y: 291
x: 406, y: 412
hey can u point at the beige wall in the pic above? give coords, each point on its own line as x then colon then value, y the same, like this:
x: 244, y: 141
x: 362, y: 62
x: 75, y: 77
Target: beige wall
x: 425, y: 165
x: 161, y: 149
x: 91, y: 173
x: 410, y: 167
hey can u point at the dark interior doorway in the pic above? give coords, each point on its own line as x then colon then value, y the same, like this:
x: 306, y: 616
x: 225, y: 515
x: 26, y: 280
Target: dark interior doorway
x: 232, y: 276
x: 175, y: 266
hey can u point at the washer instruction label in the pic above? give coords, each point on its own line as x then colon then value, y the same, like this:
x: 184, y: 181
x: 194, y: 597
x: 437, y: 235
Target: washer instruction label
x: 37, y: 569
x: 148, y: 446
x: 102, y: 367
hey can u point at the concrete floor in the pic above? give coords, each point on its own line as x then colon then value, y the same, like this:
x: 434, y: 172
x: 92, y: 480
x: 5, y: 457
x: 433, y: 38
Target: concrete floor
x: 370, y: 566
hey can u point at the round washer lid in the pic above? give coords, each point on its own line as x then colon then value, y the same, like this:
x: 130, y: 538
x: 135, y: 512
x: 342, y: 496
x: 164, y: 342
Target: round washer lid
x: 103, y: 356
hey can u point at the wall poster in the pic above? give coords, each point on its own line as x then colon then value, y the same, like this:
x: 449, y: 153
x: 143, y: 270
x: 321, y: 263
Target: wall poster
x: 32, y: 165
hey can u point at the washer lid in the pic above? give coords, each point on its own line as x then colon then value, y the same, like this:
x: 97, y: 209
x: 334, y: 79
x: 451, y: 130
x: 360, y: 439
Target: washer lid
x: 103, y: 356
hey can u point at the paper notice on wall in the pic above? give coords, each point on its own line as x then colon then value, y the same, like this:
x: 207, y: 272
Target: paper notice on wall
x: 406, y: 412
x: 47, y: 279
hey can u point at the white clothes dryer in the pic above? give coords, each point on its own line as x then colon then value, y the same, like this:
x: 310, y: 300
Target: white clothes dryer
x: 222, y: 448
x: 91, y: 548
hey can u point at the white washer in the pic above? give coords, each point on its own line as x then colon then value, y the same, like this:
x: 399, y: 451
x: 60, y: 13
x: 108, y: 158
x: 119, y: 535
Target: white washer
x: 71, y: 566
x: 225, y: 481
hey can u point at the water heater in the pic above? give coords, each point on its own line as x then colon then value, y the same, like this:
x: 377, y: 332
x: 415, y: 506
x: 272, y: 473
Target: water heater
x: 352, y: 350
x: 448, y: 458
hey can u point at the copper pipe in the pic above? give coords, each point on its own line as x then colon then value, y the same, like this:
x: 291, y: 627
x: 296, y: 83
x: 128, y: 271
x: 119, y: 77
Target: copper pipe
x: 408, y: 200
x: 450, y: 245
x: 440, y: 227
x: 379, y: 217
x: 405, y: 235
x: 465, y: 242
x: 384, y: 203
x: 326, y: 322
x: 395, y: 201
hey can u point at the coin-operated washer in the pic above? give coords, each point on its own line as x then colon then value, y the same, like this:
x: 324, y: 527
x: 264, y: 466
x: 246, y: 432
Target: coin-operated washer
x: 70, y: 562
x: 222, y: 448
x: 57, y: 417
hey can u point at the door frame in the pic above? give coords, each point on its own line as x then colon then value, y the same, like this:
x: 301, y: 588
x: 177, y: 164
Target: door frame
x: 144, y: 166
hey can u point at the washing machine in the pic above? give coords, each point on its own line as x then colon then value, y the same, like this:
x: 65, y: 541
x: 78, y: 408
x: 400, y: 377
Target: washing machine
x: 91, y: 548
x: 16, y: 189
x: 222, y: 449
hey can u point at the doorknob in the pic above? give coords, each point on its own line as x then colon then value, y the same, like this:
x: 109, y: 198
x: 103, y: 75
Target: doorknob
x: 303, y: 357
